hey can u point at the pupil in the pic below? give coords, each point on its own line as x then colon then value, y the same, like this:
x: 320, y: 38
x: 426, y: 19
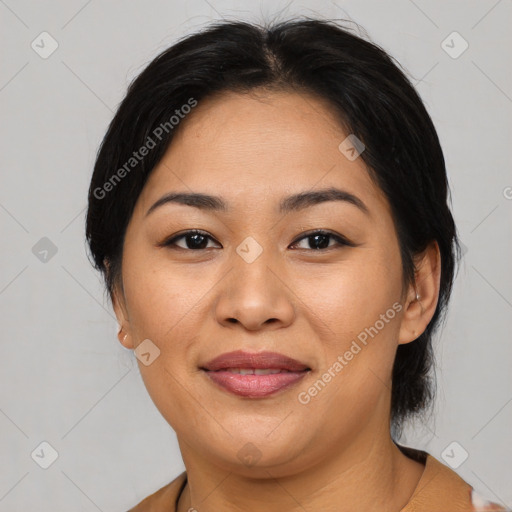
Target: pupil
x: 198, y: 241
x: 324, y: 237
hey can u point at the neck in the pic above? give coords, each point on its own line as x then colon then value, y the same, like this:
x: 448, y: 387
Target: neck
x: 365, y: 476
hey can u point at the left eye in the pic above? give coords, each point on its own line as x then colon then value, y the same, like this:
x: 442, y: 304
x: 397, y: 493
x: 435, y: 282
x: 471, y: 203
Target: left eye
x: 320, y: 240
x: 198, y: 240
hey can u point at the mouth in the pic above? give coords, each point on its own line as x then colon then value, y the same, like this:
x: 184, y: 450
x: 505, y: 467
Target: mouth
x: 254, y: 375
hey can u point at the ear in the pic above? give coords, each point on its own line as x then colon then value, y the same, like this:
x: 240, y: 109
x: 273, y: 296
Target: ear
x: 422, y: 295
x: 121, y: 312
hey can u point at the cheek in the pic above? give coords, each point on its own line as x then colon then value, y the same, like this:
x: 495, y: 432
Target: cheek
x: 356, y: 314
x: 352, y: 295
x: 163, y: 308
x: 158, y: 296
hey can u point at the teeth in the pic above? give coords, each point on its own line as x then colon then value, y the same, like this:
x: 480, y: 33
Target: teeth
x: 261, y: 371
x: 255, y: 371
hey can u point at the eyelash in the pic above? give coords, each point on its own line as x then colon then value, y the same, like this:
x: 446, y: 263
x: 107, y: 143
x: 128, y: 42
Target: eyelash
x: 341, y: 240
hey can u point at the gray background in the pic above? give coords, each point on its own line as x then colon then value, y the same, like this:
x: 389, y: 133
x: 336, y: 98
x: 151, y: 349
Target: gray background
x: 66, y: 380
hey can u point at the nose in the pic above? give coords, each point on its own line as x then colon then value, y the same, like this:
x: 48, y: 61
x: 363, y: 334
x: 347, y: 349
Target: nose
x: 255, y: 295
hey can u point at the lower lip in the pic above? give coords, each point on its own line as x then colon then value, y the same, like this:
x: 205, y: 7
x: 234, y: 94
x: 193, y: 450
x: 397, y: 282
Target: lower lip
x: 255, y: 386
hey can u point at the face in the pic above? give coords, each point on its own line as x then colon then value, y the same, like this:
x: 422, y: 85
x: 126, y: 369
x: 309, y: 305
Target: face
x: 260, y: 278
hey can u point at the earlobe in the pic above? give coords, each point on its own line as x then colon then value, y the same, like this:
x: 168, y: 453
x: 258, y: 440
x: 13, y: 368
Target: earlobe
x: 423, y: 294
x: 124, y: 339
x: 122, y: 318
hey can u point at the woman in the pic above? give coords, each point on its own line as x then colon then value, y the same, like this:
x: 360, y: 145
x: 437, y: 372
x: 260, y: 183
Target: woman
x: 269, y: 209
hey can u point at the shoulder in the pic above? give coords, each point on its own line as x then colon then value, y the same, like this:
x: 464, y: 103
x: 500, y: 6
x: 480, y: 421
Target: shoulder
x: 164, y: 499
x: 442, y: 489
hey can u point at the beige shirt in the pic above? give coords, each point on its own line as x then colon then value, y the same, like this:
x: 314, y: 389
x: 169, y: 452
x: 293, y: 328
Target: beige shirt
x: 440, y: 489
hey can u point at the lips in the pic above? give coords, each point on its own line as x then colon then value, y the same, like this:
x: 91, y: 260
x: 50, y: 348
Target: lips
x: 256, y: 375
x: 260, y: 360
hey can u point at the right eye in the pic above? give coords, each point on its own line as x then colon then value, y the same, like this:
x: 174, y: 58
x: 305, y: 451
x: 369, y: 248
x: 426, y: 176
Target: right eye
x: 194, y: 240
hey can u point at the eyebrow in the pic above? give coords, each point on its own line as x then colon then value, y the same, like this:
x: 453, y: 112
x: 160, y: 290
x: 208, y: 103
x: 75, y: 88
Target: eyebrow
x: 293, y: 203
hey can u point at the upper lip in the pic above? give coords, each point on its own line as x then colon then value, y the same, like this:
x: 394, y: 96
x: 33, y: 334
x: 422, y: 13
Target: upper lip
x: 257, y: 360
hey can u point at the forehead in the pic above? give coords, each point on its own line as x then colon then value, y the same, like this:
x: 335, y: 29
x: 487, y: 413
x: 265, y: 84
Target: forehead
x: 257, y: 146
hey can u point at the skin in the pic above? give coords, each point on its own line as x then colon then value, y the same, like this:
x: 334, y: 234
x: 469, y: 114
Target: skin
x: 334, y: 453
